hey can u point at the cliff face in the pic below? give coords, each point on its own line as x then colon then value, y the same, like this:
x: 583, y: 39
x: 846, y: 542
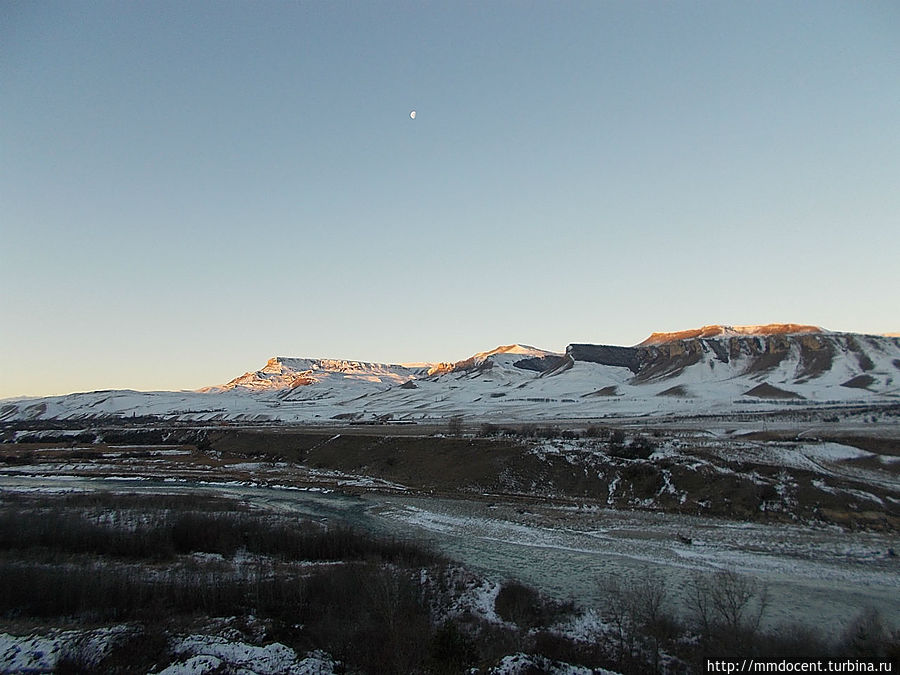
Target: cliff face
x: 805, y: 355
x: 625, y: 357
x: 719, y: 331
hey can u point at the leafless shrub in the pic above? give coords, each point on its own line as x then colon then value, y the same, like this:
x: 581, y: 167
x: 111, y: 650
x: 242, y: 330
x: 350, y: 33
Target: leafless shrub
x: 525, y: 607
x: 727, y: 607
x: 638, y: 610
x: 868, y: 637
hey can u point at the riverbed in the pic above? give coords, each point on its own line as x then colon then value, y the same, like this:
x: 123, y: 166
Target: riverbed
x: 820, y: 576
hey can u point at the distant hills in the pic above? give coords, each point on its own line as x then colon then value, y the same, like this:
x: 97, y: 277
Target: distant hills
x: 709, y: 369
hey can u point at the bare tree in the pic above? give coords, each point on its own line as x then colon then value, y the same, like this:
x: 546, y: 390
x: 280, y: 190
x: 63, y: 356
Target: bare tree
x: 727, y: 606
x: 700, y: 605
x: 739, y: 601
x: 620, y: 610
x: 637, y: 609
x: 651, y: 611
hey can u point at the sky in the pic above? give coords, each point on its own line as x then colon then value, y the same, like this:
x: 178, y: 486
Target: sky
x: 190, y: 188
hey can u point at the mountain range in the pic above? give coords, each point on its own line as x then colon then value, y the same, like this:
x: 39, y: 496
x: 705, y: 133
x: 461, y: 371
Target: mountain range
x: 707, y: 370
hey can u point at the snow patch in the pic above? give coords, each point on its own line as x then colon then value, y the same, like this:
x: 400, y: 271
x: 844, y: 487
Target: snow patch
x: 834, y: 452
x: 42, y: 653
x: 206, y: 653
x: 521, y: 664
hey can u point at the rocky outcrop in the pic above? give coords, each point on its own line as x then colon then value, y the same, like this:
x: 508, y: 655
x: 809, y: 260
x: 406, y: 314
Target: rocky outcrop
x: 669, y: 359
x: 807, y: 351
x: 662, y: 360
x: 624, y: 357
x: 542, y: 364
x: 719, y: 331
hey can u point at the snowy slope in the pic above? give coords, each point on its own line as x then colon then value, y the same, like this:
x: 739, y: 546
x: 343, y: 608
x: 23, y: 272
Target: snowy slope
x: 713, y: 369
x: 290, y: 379
x: 719, y: 331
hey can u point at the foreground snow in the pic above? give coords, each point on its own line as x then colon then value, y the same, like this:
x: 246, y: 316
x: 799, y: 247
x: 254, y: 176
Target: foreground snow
x: 208, y: 654
x: 202, y: 654
x: 522, y: 664
x: 43, y: 653
x: 197, y: 654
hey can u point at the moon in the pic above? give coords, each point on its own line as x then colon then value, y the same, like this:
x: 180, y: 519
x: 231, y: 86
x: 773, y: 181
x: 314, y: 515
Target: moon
x: 412, y: 115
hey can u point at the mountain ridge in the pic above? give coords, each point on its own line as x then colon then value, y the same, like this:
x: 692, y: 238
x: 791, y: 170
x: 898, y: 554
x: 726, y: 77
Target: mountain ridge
x: 722, y: 330
x: 715, y: 368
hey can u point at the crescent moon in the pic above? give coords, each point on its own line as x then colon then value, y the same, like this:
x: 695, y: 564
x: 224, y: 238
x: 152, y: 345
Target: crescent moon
x: 412, y: 115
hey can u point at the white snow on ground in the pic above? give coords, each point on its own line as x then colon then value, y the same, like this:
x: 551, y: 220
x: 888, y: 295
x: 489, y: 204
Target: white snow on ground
x: 586, y: 626
x: 493, y: 389
x: 488, y: 529
x: 196, y: 665
x: 834, y: 452
x: 477, y: 597
x: 520, y: 664
x: 827, y: 459
x: 859, y: 494
x: 198, y: 654
x: 42, y: 653
x: 825, y: 573
x: 205, y: 653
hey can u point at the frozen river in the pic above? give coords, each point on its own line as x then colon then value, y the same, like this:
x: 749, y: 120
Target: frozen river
x: 820, y: 576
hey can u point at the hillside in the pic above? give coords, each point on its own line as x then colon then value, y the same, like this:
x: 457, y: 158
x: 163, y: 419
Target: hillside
x: 715, y: 369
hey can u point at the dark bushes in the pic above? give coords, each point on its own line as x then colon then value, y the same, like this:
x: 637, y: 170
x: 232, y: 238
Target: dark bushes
x: 488, y: 429
x: 162, y: 535
x: 103, y: 592
x: 452, y: 650
x: 68, y: 532
x: 560, y: 648
x: 525, y: 607
x: 366, y: 614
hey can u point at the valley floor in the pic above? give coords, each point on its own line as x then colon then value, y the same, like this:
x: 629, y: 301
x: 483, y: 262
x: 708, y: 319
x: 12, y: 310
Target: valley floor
x: 808, y: 509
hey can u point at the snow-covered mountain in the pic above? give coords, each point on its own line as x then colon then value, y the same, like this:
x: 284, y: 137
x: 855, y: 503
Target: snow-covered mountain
x: 289, y: 377
x: 710, y: 369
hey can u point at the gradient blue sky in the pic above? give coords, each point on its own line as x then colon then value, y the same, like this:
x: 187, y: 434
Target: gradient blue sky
x: 189, y: 188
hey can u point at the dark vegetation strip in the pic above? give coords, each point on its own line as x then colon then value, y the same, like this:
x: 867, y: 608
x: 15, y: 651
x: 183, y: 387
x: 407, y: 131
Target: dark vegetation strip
x: 105, y: 592
x: 165, y: 534
x: 59, y: 564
